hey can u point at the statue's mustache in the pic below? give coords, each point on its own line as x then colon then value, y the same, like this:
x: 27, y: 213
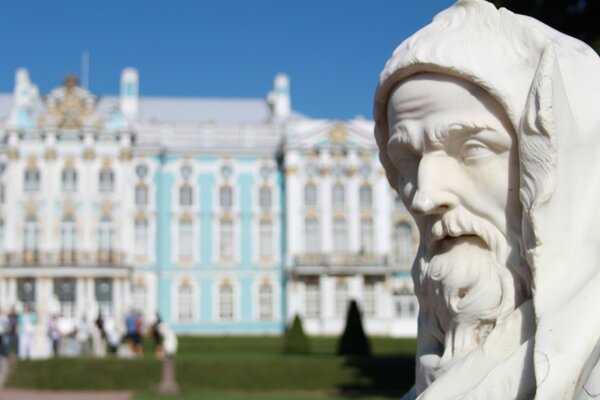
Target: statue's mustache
x: 458, y: 223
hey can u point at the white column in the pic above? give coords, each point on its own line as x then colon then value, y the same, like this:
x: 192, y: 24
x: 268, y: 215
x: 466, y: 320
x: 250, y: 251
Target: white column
x: 126, y: 300
x: 80, y: 310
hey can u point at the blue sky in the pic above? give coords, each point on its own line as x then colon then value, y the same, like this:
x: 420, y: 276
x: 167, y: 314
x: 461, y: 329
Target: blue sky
x: 333, y: 50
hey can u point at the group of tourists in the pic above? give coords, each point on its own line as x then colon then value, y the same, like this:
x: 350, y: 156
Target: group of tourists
x: 83, y: 337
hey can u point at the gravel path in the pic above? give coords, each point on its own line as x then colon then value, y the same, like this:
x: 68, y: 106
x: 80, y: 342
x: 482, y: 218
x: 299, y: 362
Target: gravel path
x: 21, y: 394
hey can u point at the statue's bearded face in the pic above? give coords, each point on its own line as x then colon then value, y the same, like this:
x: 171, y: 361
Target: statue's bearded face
x: 457, y: 160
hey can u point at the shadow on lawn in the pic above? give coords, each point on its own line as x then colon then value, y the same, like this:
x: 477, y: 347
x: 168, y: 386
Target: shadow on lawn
x: 384, y: 376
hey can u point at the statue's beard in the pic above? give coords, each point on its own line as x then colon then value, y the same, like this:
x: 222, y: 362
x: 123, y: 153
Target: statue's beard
x: 469, y: 279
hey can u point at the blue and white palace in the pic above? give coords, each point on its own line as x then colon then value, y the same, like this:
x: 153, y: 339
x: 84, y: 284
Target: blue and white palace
x: 225, y: 216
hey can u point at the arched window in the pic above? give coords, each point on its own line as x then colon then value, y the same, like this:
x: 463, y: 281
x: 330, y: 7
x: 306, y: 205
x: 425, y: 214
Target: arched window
x: 265, y: 239
x: 226, y: 197
x: 68, y: 239
x: 341, y: 298
x: 141, y: 195
x: 185, y: 303
x: 104, y: 296
x: 365, y: 196
x: 310, y: 195
x: 264, y: 198
x: 64, y: 290
x: 106, y: 180
x: 226, y: 240
x: 140, y: 243
x: 338, y: 195
x: 139, y: 297
x: 106, y: 239
x: 265, y: 302
x: 69, y: 179
x: 186, y: 240
x: 312, y: 297
x: 366, y: 235
x: 26, y: 292
x: 31, y: 237
x: 185, y: 195
x: 340, y: 235
x: 312, y: 236
x: 31, y: 179
x: 369, y: 298
x: 2, y: 241
x: 2, y: 194
x: 403, y: 245
x: 226, y: 302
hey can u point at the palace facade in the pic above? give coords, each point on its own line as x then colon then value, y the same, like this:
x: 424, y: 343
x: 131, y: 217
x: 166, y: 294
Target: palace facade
x: 225, y: 216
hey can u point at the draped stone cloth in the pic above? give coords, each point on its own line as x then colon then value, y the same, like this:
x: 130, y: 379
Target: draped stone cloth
x: 549, y: 85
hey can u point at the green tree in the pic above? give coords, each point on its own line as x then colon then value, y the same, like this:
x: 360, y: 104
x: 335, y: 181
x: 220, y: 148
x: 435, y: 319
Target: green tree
x: 295, y: 340
x: 578, y: 18
x: 354, y: 341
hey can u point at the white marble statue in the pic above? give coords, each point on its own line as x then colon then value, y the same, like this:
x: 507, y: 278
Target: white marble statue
x: 488, y: 125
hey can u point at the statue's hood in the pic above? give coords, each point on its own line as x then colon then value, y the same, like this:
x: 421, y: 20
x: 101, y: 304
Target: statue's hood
x: 549, y: 85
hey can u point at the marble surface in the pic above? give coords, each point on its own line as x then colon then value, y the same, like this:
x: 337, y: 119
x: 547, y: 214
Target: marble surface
x: 488, y: 127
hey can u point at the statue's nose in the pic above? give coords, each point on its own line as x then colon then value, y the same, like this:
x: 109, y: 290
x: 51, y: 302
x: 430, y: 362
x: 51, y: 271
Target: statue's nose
x: 434, y: 194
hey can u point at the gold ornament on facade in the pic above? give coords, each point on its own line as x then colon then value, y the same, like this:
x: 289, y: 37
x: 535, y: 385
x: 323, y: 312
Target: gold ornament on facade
x: 106, y: 208
x: 31, y: 162
x: 125, y: 155
x: 71, y: 107
x: 88, y: 154
x: 31, y: 209
x: 290, y: 171
x: 324, y: 170
x: 13, y: 154
x: 350, y: 171
x: 338, y: 134
x: 106, y: 163
x: 69, y: 163
x: 69, y: 209
x: 50, y: 155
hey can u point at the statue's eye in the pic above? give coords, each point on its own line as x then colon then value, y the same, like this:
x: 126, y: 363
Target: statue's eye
x: 474, y: 149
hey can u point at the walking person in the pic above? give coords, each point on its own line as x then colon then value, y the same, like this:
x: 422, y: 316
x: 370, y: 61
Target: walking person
x: 4, y: 328
x: 26, y: 325
x: 12, y: 338
x: 157, y: 336
x: 54, y: 334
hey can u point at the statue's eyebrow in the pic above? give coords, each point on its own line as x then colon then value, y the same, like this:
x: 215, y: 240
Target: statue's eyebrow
x: 440, y: 133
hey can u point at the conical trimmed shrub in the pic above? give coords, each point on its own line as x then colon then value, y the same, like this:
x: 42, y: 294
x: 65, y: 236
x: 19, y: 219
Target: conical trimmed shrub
x: 353, y: 341
x: 295, y: 340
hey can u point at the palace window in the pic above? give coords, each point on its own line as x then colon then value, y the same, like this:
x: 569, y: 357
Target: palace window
x: 226, y: 240
x: 310, y: 195
x: 139, y: 296
x: 265, y: 239
x: 140, y: 231
x: 69, y: 179
x: 106, y: 233
x: 265, y: 302
x: 338, y: 195
x: 407, y: 305
x: 185, y: 303
x: 26, y: 292
x: 369, y: 299
x: 340, y: 299
x: 31, y: 237
x: 226, y: 197
x: 64, y: 290
x: 104, y: 296
x: 185, y: 195
x: 31, y: 179
x: 141, y: 170
x: 366, y: 236
x: 2, y: 194
x: 312, y: 236
x: 365, y: 196
x: 402, y: 245
x: 106, y: 180
x: 340, y: 235
x: 312, y: 298
x: 186, y: 240
x: 226, y: 302
x: 68, y: 238
x: 264, y: 198
x: 141, y: 195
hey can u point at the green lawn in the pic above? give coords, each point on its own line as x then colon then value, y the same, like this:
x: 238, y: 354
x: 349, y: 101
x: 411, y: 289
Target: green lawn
x: 232, y: 368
